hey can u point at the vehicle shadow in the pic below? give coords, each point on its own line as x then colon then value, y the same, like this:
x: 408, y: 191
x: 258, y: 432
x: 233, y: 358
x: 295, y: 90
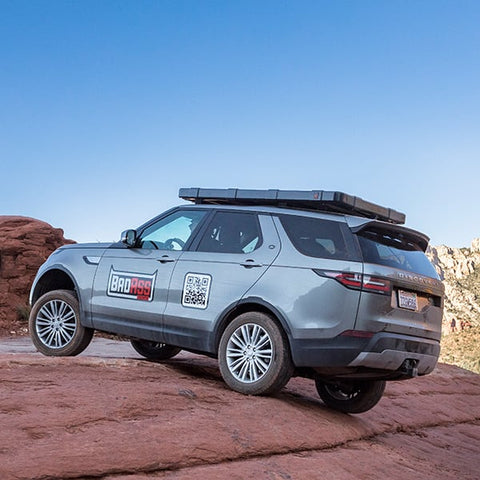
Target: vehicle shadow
x: 299, y: 392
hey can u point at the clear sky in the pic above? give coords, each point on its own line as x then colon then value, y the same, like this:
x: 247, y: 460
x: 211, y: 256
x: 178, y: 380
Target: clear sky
x: 109, y: 107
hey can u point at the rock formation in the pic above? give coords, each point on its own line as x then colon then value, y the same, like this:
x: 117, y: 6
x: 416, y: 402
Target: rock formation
x: 459, y: 268
x: 25, y: 243
x: 123, y: 418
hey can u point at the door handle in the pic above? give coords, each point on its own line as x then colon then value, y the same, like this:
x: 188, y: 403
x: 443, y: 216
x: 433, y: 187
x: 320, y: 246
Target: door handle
x: 250, y: 263
x: 165, y: 259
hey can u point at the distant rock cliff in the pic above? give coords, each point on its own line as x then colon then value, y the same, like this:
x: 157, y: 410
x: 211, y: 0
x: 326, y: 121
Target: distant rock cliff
x: 459, y: 268
x: 25, y: 243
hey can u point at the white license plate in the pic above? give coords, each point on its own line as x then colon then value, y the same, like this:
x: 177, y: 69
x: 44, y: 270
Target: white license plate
x: 407, y: 300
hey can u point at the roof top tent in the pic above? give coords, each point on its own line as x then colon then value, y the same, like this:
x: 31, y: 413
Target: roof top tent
x: 320, y: 200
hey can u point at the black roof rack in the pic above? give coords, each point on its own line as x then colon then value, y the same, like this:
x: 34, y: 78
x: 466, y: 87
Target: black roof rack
x: 338, y: 202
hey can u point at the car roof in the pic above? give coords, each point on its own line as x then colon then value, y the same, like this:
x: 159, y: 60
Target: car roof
x: 355, y: 223
x: 352, y: 221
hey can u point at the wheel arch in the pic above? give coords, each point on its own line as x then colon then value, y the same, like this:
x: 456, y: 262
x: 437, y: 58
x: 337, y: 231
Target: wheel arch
x: 55, y: 278
x: 250, y: 304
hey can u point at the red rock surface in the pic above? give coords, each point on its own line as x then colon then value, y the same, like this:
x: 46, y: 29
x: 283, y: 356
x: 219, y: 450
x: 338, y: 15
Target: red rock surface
x: 128, y: 419
x: 25, y: 243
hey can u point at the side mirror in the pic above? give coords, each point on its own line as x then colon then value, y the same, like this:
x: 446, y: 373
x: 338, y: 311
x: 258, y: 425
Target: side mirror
x: 129, y: 238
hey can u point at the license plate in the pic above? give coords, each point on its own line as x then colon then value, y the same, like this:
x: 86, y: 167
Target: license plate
x: 407, y: 300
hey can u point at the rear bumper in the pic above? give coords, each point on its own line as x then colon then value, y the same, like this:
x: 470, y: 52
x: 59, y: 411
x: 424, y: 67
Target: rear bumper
x: 384, y: 352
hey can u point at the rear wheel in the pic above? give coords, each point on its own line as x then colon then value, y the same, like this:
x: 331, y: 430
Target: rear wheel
x: 154, y: 350
x: 351, y: 396
x: 254, y: 355
x: 55, y: 326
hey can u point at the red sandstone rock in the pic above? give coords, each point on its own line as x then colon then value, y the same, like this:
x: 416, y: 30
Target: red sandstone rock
x: 25, y: 243
x: 127, y: 419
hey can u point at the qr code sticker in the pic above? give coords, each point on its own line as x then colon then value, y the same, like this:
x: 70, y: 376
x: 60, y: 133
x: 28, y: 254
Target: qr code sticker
x: 196, y: 289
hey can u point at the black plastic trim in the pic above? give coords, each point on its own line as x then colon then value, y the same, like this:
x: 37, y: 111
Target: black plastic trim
x: 341, y: 350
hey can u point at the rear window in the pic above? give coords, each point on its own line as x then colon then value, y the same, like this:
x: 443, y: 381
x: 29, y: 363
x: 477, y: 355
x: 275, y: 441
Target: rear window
x: 320, y: 238
x: 394, y: 250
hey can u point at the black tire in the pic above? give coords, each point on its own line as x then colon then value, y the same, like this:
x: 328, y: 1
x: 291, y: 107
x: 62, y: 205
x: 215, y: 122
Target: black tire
x: 254, y: 355
x: 351, y: 396
x: 154, y: 350
x: 55, y: 327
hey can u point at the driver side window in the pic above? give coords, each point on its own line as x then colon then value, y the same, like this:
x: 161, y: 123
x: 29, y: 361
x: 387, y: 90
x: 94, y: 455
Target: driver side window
x: 172, y: 232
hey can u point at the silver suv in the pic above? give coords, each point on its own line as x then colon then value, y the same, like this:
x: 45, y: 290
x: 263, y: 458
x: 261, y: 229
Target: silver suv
x: 272, y: 283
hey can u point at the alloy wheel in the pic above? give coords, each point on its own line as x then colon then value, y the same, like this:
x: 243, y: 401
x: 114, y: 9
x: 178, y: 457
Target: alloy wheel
x: 249, y: 353
x: 56, y: 324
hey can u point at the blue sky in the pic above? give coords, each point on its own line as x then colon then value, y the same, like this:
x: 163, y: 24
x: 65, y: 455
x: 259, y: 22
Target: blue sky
x: 109, y: 107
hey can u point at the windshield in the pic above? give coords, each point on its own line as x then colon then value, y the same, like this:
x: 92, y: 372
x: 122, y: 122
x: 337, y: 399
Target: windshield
x: 393, y: 249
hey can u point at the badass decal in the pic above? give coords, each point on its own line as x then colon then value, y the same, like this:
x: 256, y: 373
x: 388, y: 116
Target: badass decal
x: 136, y: 286
x: 196, y: 289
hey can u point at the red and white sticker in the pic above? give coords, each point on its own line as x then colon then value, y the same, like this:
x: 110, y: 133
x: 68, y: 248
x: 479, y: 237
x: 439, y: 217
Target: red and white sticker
x: 135, y: 286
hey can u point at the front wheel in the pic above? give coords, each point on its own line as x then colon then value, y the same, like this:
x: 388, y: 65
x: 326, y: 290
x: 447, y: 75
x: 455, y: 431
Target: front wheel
x: 55, y: 326
x: 351, y: 396
x: 254, y: 355
x: 154, y: 350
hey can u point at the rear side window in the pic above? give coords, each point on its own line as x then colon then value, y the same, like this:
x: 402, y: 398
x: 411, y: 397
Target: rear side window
x: 392, y: 249
x: 320, y: 238
x: 231, y: 232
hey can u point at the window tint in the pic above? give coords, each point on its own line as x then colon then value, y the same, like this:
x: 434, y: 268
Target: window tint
x: 171, y: 232
x: 392, y: 249
x: 320, y: 238
x: 231, y: 232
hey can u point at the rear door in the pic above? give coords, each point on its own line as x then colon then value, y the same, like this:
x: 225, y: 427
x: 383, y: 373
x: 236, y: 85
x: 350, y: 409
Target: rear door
x: 234, y: 251
x: 412, y: 303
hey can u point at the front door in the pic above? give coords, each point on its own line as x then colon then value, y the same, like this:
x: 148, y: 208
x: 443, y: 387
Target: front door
x: 130, y: 289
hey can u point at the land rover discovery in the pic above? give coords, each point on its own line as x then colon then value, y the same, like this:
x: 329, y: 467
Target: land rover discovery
x: 273, y: 283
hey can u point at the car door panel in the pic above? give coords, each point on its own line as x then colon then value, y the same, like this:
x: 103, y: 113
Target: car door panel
x: 130, y: 289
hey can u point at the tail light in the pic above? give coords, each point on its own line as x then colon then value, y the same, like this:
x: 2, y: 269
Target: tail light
x: 376, y: 284
x: 359, y: 281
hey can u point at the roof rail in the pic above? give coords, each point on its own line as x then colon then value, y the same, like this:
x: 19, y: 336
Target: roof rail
x: 319, y: 200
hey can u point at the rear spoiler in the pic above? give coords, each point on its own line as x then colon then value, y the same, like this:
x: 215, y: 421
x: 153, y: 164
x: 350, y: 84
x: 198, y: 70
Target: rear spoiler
x: 408, y: 234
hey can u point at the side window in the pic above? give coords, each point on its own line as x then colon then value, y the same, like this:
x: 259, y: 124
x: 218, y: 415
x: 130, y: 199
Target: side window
x: 320, y: 238
x: 171, y: 232
x: 231, y: 232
